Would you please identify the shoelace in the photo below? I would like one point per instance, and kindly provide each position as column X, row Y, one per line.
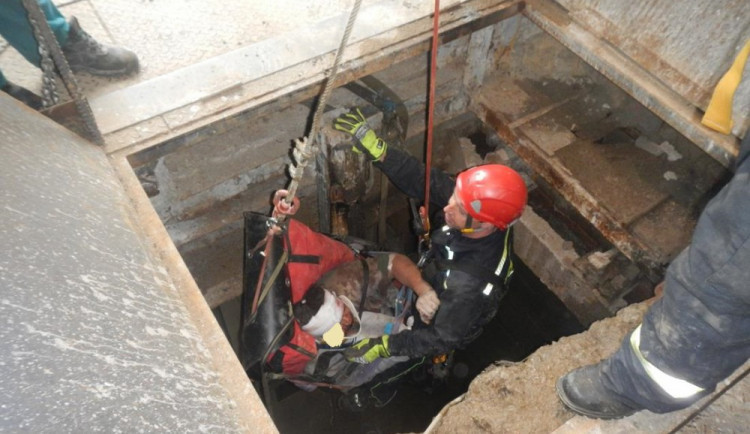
column 90, row 42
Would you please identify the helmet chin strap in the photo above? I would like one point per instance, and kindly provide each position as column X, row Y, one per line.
column 470, row 230
column 467, row 227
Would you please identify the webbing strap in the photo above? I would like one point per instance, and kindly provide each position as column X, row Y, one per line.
column 304, row 259
column 273, row 277
column 472, row 269
column 300, row 349
column 365, row 283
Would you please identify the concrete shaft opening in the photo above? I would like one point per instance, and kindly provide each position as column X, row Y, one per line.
column 615, row 190
column 596, row 102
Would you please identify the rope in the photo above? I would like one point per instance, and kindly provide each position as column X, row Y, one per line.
column 431, row 108
column 303, row 150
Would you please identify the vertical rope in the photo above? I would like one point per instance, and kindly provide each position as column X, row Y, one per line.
column 431, row 106
column 334, row 70
column 304, row 148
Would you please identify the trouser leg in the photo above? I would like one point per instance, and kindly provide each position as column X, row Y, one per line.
column 382, row 388
column 15, row 27
column 699, row 331
column 697, row 334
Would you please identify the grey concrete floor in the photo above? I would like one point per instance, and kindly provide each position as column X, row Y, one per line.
column 171, row 34
column 201, row 61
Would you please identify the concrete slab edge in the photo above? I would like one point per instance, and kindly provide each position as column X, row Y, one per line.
column 280, row 82
column 249, row 409
column 150, row 98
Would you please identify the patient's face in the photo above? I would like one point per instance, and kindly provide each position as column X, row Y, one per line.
column 346, row 320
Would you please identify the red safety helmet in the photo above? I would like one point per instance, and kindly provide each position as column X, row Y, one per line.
column 492, row 193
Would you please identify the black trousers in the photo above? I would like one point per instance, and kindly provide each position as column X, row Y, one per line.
column 699, row 331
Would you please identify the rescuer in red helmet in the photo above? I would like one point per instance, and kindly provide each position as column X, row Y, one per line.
column 470, row 257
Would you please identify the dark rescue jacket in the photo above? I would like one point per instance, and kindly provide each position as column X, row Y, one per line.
column 469, row 275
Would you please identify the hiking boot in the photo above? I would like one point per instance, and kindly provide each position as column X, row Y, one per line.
column 24, row 95
column 582, row 391
column 84, row 53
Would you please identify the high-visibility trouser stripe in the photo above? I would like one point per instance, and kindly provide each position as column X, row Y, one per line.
column 675, row 387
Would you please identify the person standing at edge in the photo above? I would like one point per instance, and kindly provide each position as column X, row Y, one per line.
column 82, row 52
column 696, row 334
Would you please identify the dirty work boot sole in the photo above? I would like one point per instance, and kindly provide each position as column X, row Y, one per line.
column 582, row 391
column 104, row 72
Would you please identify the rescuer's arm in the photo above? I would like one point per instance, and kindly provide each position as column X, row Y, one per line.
column 461, row 308
column 405, row 271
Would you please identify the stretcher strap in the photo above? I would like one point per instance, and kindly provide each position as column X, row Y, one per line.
column 274, row 275
column 365, row 283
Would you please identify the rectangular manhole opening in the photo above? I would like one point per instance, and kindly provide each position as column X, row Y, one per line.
column 607, row 176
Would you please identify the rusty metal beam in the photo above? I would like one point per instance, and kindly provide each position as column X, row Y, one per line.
column 632, row 78
column 559, row 178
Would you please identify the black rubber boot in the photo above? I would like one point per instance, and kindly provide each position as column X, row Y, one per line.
column 24, row 95
column 84, row 53
column 582, row 391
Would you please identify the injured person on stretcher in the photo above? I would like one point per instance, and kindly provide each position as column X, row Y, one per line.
column 359, row 295
column 363, row 298
column 366, row 297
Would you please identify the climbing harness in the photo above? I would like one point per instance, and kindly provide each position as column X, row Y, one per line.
column 52, row 56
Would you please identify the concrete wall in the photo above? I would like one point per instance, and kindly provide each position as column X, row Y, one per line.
column 96, row 335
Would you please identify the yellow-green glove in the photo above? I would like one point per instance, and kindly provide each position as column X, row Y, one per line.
column 367, row 350
column 355, row 124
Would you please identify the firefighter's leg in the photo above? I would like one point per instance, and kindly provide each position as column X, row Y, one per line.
column 381, row 390
column 695, row 335
column 82, row 52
